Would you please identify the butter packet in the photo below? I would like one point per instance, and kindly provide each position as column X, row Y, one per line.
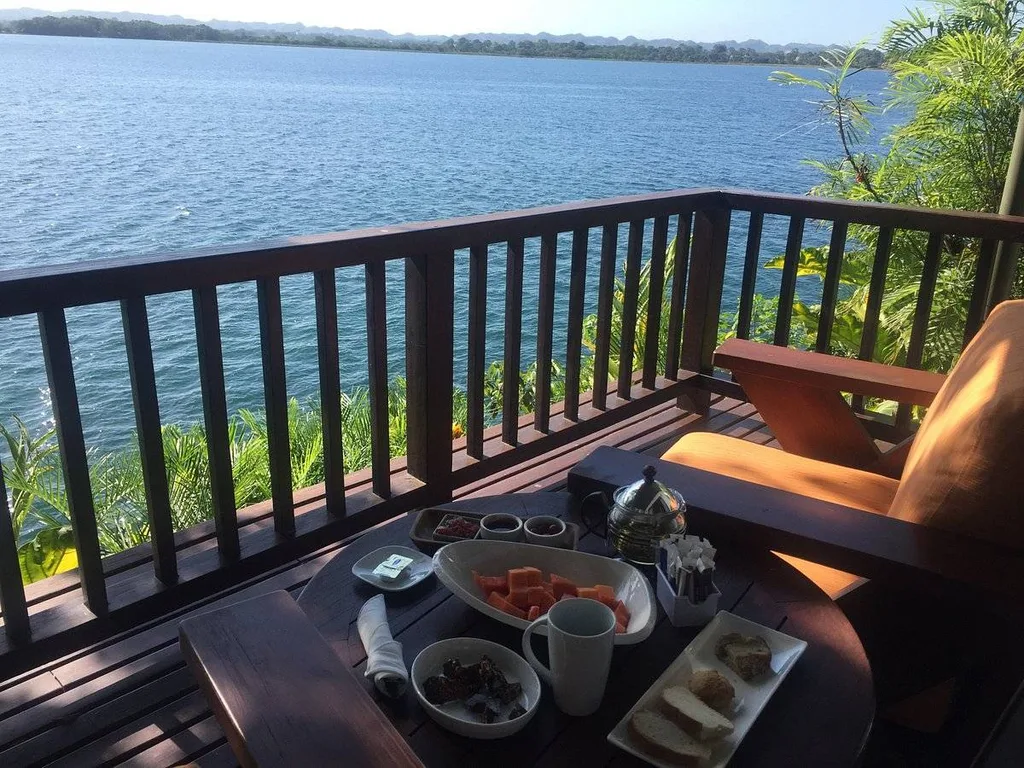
column 392, row 567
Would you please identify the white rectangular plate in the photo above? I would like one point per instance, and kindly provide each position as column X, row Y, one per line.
column 700, row 654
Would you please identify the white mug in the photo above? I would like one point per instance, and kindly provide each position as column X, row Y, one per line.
column 581, row 637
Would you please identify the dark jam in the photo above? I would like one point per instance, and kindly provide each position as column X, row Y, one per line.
column 545, row 529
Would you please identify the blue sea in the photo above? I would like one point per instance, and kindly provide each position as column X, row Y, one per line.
column 115, row 148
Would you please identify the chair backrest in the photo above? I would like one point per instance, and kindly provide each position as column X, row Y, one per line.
column 965, row 471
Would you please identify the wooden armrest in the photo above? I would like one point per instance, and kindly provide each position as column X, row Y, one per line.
column 281, row 694
column 729, row 510
column 813, row 369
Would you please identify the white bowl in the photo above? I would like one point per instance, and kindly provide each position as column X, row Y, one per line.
column 454, row 716
column 454, row 565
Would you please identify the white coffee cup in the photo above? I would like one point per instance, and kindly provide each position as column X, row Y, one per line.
column 581, row 637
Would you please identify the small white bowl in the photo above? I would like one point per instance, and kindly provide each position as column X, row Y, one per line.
column 546, row 539
column 512, row 534
column 454, row 716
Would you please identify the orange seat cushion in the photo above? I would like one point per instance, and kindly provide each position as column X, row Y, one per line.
column 964, row 472
column 773, row 468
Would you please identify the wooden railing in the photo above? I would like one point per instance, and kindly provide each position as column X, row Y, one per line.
column 305, row 521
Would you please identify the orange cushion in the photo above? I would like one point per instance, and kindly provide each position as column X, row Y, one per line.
column 964, row 472
column 773, row 468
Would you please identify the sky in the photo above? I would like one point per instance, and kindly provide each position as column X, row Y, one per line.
column 775, row 21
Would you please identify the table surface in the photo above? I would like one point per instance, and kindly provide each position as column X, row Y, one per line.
column 821, row 715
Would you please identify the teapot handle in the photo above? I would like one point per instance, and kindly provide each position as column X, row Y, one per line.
column 594, row 511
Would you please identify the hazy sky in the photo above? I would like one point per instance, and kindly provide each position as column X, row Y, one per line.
column 776, row 21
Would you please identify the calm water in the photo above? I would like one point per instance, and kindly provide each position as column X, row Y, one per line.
column 113, row 148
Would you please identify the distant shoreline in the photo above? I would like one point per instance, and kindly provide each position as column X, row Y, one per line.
column 93, row 27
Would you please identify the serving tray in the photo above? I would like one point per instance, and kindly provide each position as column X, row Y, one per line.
column 422, row 531
column 752, row 696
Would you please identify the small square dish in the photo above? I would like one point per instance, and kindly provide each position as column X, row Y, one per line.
column 411, row 575
column 750, row 696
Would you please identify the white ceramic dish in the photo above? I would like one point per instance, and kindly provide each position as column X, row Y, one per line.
column 454, row 565
column 418, row 569
column 700, row 654
column 454, row 716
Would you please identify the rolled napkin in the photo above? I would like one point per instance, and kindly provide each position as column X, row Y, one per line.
column 384, row 662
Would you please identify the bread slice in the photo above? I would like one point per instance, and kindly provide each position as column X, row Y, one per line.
column 693, row 715
column 665, row 740
column 748, row 657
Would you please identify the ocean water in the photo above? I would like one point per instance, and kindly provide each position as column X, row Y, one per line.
column 115, row 148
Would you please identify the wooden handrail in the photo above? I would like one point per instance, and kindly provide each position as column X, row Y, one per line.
column 963, row 223
column 32, row 289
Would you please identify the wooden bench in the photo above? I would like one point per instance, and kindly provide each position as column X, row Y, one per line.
column 281, row 694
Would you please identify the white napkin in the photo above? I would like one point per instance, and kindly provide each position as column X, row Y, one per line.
column 384, row 662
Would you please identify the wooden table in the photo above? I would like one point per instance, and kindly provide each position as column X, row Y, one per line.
column 820, row 716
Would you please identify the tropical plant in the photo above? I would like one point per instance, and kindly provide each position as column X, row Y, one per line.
column 958, row 75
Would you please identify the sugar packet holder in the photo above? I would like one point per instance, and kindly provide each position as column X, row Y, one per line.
column 676, row 593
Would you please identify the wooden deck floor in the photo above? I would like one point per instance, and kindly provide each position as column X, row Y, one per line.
column 130, row 700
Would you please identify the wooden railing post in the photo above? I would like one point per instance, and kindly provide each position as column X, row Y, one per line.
column 704, row 299
column 60, row 375
column 328, row 359
column 12, row 590
column 142, row 375
column 429, row 324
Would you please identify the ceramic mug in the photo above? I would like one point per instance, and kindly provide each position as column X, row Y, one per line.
column 581, row 637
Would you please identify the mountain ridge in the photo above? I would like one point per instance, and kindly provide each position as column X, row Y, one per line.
column 298, row 28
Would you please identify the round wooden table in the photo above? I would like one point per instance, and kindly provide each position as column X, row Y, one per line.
column 821, row 714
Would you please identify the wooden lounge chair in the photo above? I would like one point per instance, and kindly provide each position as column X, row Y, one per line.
column 963, row 471
column 281, row 694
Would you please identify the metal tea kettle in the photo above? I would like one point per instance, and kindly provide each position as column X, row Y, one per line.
column 641, row 515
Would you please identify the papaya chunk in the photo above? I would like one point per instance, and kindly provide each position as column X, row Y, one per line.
column 588, row 592
column 620, row 629
column 519, row 598
column 605, row 594
column 533, row 576
column 534, row 613
column 561, row 587
column 621, row 613
column 496, row 601
column 518, row 578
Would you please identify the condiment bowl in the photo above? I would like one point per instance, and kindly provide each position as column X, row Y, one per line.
column 501, row 526
column 534, row 525
column 454, row 716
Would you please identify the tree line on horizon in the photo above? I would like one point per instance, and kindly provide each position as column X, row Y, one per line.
column 90, row 26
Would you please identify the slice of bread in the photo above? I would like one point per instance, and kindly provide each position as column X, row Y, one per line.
column 665, row 740
column 693, row 715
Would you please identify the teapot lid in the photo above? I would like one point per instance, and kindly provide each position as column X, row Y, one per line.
column 649, row 496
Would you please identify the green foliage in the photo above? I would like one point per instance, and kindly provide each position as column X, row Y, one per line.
column 959, row 74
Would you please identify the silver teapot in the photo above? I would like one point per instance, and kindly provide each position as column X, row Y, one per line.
column 641, row 515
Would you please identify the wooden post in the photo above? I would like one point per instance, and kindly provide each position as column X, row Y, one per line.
column 12, row 591
column 60, row 375
column 429, row 323
column 215, row 418
column 275, row 397
column 1012, row 204
column 325, row 287
column 151, row 446
column 704, row 300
